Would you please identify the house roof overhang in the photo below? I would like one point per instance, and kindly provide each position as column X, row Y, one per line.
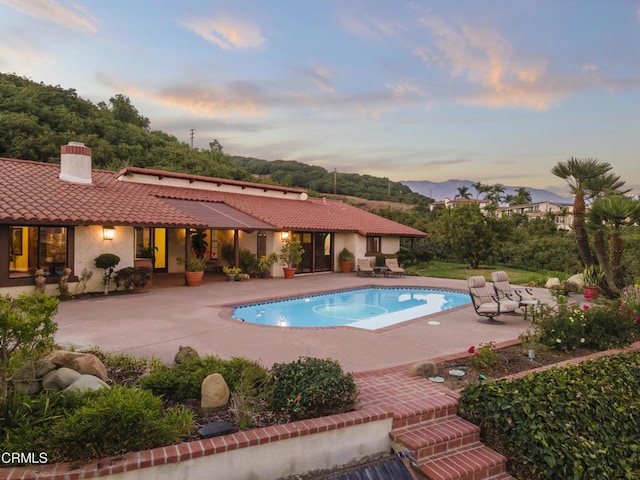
column 218, row 215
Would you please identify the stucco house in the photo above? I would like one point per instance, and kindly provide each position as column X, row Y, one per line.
column 55, row 216
column 562, row 213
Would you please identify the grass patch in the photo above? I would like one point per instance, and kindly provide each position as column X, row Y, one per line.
column 461, row 271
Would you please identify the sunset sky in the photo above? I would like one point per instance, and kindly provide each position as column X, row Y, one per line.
column 492, row 91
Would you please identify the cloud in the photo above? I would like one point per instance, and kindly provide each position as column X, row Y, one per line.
column 321, row 78
column 485, row 59
column 74, row 18
column 227, row 33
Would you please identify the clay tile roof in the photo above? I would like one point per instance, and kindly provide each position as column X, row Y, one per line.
column 32, row 192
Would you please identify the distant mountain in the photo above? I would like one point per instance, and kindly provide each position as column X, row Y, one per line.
column 449, row 189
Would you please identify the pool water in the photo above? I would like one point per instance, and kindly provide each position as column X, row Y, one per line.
column 367, row 308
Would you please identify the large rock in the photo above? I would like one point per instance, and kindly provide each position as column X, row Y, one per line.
column 215, row 392
column 552, row 282
column 85, row 363
column 59, row 379
column 84, row 383
column 28, row 387
column 576, row 280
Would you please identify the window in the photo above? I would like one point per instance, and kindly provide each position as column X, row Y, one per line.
column 261, row 244
column 374, row 245
column 31, row 248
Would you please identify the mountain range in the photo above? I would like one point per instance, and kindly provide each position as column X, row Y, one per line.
column 449, row 189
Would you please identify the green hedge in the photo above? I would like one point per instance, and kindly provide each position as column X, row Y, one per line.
column 576, row 422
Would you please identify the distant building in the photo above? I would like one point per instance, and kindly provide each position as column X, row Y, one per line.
column 561, row 212
column 448, row 203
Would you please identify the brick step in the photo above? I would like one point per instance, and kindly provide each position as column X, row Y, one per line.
column 432, row 438
column 473, row 462
column 425, row 410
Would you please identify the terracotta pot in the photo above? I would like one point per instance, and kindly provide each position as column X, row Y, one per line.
column 590, row 293
column 289, row 273
column 193, row 279
column 346, row 267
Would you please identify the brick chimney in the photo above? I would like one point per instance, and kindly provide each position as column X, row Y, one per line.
column 75, row 163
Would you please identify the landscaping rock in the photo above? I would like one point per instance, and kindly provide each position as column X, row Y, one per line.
column 215, row 391
column 85, row 363
column 576, row 280
column 59, row 379
column 28, row 387
column 84, row 383
column 215, row 429
column 552, row 282
column 185, row 353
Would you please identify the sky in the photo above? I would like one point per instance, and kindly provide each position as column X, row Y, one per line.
column 493, row 91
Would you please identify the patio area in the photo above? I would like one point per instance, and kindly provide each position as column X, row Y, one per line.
column 158, row 321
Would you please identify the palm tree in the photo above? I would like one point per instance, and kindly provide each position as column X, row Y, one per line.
column 578, row 172
column 522, row 196
column 463, row 192
column 613, row 215
column 480, row 188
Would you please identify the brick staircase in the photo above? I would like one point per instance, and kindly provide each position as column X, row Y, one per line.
column 443, row 445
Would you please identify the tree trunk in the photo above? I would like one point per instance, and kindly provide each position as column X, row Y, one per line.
column 600, row 248
column 616, row 247
column 582, row 239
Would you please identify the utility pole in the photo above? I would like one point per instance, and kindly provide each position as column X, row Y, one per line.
column 193, row 134
column 335, row 181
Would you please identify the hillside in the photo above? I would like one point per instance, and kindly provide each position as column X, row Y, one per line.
column 449, row 189
column 36, row 119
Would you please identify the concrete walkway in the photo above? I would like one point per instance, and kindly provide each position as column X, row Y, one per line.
column 158, row 321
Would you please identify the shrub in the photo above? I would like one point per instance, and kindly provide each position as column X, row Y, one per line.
column 424, row 369
column 311, row 387
column 132, row 277
column 599, row 326
column 184, row 380
column 483, row 358
column 573, row 422
column 116, row 421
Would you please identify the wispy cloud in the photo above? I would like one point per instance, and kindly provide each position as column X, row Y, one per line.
column 321, row 78
column 73, row 17
column 227, row 33
column 484, row 58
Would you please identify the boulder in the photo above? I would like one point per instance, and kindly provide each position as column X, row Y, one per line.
column 552, row 282
column 185, row 353
column 28, row 387
column 59, row 379
column 84, row 383
column 85, row 363
column 576, row 280
column 215, row 391
column 31, row 370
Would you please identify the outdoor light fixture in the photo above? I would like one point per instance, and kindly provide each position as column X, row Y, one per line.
column 284, row 235
column 108, row 233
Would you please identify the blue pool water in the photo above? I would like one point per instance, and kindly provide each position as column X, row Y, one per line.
column 368, row 308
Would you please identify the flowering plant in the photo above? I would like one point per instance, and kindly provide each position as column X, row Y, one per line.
column 484, row 357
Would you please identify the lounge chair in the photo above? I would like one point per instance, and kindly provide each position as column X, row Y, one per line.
column 486, row 302
column 393, row 267
column 504, row 289
column 364, row 268
column 523, row 296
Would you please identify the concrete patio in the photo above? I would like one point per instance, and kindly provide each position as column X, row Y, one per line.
column 158, row 321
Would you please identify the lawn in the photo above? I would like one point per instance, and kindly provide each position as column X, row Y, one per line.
column 461, row 271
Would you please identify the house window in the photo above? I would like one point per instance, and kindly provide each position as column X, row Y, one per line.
column 374, row 245
column 31, row 248
column 261, row 244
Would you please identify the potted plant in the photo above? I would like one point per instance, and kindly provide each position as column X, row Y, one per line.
column 290, row 256
column 231, row 273
column 145, row 258
column 346, row 259
column 108, row 261
column 193, row 270
column 592, row 277
column 198, row 243
column 265, row 262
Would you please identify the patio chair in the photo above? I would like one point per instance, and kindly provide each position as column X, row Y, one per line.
column 504, row 289
column 393, row 267
column 364, row 268
column 486, row 303
column 523, row 296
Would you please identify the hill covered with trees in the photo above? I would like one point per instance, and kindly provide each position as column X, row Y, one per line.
column 36, row 119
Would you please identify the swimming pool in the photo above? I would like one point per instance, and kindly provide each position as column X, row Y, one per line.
column 368, row 308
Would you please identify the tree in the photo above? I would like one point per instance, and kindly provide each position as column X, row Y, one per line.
column 521, row 197
column 613, row 214
column 463, row 192
column 578, row 173
column 26, row 328
column 124, row 111
column 466, row 233
column 480, row 188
